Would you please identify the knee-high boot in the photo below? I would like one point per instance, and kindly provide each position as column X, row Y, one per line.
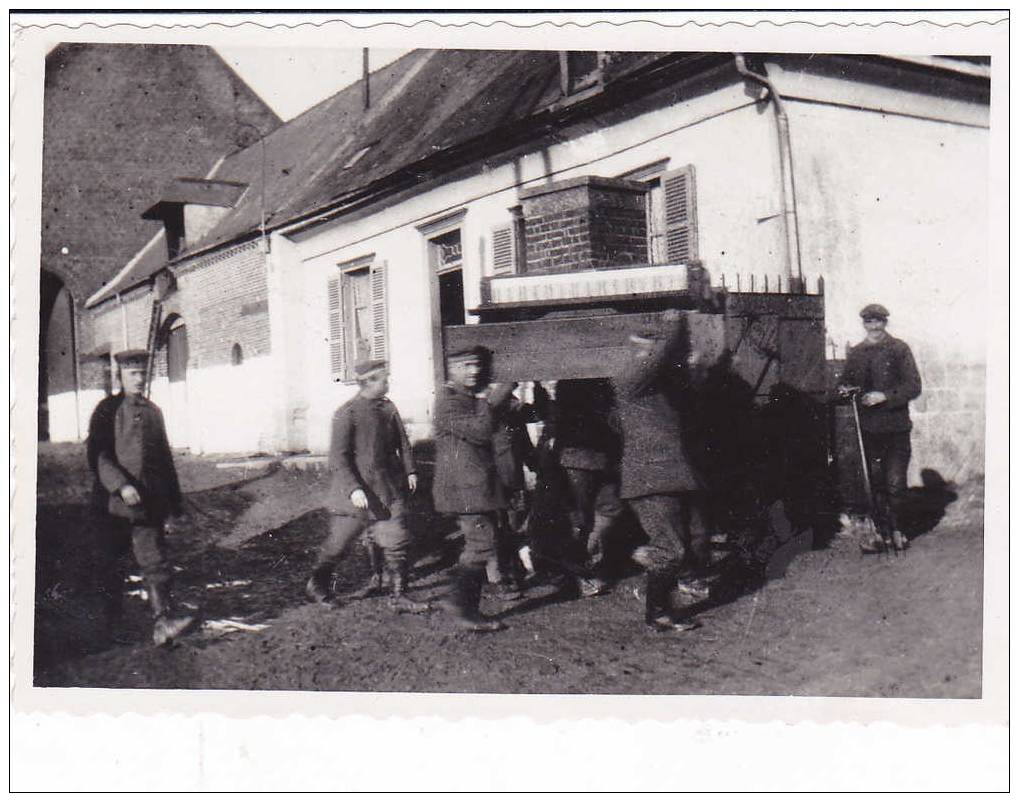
column 319, row 586
column 465, row 600
column 658, row 610
column 399, row 602
column 168, row 626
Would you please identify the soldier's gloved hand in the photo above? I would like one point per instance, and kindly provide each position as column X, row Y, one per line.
column 595, row 547
column 872, row 398
column 412, row 482
column 130, row 495
column 359, row 499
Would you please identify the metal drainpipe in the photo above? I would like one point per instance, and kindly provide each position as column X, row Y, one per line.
column 123, row 322
column 794, row 266
column 123, row 338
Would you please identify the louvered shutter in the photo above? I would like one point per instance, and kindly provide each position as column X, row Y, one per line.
column 504, row 249
column 380, row 325
column 337, row 338
column 680, row 191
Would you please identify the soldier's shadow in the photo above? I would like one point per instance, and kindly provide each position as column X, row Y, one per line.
column 924, row 507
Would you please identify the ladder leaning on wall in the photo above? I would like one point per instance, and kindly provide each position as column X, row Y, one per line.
column 150, row 344
column 162, row 284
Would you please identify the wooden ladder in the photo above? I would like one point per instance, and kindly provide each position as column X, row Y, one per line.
column 153, row 338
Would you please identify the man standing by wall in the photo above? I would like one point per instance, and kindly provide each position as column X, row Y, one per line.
column 372, row 478
column 657, row 478
column 135, row 493
column 466, row 480
column 883, row 369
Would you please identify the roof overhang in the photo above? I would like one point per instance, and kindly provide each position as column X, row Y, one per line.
column 188, row 190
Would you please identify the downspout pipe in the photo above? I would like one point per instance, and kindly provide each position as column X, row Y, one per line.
column 123, row 336
column 790, row 219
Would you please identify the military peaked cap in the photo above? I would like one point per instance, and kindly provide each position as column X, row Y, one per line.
column 365, row 368
column 476, row 351
column 874, row 311
column 132, row 358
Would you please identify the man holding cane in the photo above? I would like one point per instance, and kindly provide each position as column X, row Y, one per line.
column 883, row 370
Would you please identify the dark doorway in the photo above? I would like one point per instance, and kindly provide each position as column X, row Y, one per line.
column 177, row 353
column 451, row 298
column 446, row 258
column 57, row 368
column 175, row 410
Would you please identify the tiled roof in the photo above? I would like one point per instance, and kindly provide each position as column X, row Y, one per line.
column 120, row 120
column 422, row 104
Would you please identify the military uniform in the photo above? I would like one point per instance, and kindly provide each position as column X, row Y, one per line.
column 127, row 446
column 886, row 366
column 587, row 438
column 512, row 450
column 369, row 451
column 658, row 479
column 467, row 485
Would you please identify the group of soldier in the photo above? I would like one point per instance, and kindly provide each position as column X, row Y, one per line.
column 617, row 444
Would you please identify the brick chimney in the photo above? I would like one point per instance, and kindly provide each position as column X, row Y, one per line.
column 584, row 223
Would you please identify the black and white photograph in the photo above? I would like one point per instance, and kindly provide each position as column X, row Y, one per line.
column 510, row 370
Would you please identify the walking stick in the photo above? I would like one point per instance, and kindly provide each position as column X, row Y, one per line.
column 868, row 489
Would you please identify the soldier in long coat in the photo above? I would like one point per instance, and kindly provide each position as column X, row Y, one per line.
column 657, row 477
column 135, row 492
column 883, row 369
column 467, row 483
column 372, row 478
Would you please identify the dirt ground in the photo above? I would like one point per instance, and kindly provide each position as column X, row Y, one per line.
column 835, row 624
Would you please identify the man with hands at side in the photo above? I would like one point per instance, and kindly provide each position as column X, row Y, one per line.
column 372, row 478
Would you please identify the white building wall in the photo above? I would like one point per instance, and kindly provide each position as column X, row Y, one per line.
column 732, row 145
column 894, row 210
column 220, row 407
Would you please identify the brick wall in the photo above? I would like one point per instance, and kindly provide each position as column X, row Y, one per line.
column 584, row 223
column 948, row 425
column 949, row 416
column 223, row 300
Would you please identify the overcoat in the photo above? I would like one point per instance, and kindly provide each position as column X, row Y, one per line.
column 127, row 444
column 887, row 366
column 466, row 480
column 511, row 444
column 586, row 427
column 654, row 457
column 369, row 450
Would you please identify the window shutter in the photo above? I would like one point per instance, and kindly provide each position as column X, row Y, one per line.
column 380, row 325
column 504, row 249
column 337, row 340
column 680, row 215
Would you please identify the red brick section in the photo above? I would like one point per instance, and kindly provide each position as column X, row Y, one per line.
column 221, row 297
column 584, row 223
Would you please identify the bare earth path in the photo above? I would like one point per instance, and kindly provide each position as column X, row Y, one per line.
column 837, row 623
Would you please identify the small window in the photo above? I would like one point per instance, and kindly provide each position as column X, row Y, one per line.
column 446, row 255
column 236, row 355
column 359, row 310
column 447, row 251
column 358, row 325
column 356, row 156
column 579, row 71
column 671, row 211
